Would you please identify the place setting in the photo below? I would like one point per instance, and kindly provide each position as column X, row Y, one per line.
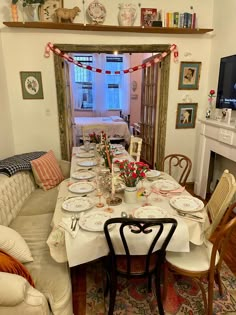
column 94, row 221
column 166, row 187
column 188, row 207
column 83, row 174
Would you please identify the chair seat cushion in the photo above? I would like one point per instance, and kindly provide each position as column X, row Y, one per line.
column 198, row 259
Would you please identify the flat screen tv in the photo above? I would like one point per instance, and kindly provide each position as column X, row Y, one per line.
column 226, row 92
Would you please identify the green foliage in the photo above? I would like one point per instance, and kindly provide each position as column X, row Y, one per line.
column 27, row 2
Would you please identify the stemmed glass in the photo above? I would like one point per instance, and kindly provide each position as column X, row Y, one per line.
column 146, row 193
column 100, row 204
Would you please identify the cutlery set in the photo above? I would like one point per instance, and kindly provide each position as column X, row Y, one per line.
column 74, row 221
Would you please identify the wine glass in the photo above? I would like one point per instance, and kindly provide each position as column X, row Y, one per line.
column 146, row 193
column 100, row 204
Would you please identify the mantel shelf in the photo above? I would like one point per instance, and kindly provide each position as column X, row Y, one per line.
column 107, row 28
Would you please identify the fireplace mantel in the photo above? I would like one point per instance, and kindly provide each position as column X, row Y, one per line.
column 214, row 136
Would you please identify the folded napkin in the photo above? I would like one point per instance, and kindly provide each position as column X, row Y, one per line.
column 169, row 192
column 66, row 225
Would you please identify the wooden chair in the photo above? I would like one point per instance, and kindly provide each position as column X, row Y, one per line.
column 220, row 200
column 177, row 165
column 141, row 266
column 135, row 147
column 202, row 261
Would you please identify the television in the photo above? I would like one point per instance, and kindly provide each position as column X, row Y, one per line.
column 226, row 92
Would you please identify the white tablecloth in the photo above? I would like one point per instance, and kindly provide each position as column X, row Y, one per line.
column 115, row 128
column 88, row 246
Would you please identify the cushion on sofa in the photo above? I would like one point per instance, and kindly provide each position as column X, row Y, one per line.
column 11, row 265
column 14, row 244
column 46, row 170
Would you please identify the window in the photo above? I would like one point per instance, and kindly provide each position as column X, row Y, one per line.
column 113, row 82
column 84, row 80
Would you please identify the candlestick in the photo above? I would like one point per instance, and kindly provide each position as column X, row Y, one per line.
column 112, row 181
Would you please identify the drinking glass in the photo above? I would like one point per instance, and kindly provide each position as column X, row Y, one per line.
column 146, row 193
column 100, row 204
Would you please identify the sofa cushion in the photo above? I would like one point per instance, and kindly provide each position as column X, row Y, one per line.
column 46, row 170
column 40, row 202
column 50, row 277
column 11, row 265
column 14, row 244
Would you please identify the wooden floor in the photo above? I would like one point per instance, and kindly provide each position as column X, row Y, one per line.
column 78, row 272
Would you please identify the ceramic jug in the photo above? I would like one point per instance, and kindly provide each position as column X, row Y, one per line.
column 127, row 14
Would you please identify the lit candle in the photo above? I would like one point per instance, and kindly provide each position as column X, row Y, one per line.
column 112, row 181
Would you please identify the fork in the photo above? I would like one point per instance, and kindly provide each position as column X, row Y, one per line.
column 193, row 216
column 76, row 221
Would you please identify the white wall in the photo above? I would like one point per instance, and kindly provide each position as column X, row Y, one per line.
column 35, row 122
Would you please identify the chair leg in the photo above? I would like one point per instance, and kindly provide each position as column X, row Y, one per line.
column 203, row 293
column 158, row 293
column 112, row 297
column 218, row 281
column 210, row 295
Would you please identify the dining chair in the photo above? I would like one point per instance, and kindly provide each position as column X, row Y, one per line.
column 124, row 263
column 135, row 147
column 178, row 166
column 219, row 201
column 202, row 261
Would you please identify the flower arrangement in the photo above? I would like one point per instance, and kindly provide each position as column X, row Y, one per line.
column 104, row 148
column 211, row 95
column 132, row 172
column 96, row 138
column 27, row 2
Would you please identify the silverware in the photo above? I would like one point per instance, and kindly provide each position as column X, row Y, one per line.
column 76, row 220
column 193, row 216
column 124, row 214
column 72, row 222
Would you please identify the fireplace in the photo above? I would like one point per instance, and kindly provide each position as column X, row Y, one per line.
column 217, row 140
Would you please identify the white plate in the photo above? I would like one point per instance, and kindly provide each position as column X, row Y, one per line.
column 87, row 163
column 149, row 212
column 82, row 147
column 165, row 185
column 77, row 204
column 85, row 154
column 94, row 221
column 81, row 188
column 186, row 203
column 119, row 152
column 96, row 12
column 153, row 173
column 83, row 174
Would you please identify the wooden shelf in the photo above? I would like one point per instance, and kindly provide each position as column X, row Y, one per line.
column 107, row 28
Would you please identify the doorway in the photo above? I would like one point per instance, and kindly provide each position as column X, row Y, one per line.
column 160, row 131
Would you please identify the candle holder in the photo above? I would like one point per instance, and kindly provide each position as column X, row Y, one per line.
column 114, row 200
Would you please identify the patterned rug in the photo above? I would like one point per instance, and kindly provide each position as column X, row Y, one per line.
column 183, row 296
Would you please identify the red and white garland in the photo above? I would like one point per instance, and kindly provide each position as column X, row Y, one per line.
column 50, row 47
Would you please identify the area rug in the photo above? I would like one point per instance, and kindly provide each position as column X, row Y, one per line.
column 183, row 296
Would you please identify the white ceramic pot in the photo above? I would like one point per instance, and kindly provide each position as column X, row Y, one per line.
column 130, row 194
column 127, row 14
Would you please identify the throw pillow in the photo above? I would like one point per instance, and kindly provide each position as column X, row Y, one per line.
column 11, row 265
column 14, row 244
column 47, row 172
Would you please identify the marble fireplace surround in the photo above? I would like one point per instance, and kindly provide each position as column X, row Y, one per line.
column 217, row 137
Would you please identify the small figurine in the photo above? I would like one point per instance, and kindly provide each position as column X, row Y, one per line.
column 67, row 14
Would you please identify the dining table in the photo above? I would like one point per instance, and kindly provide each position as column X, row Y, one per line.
column 77, row 226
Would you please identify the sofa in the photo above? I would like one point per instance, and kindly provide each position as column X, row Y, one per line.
column 27, row 210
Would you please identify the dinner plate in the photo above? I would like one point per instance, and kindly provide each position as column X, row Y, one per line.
column 82, row 147
column 118, row 152
column 186, row 203
column 83, row 174
column 77, row 204
column 153, row 173
column 94, row 221
column 165, row 185
column 149, row 212
column 85, row 154
column 81, row 188
column 87, row 163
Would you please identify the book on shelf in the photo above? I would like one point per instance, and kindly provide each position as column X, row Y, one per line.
column 148, row 15
column 180, row 20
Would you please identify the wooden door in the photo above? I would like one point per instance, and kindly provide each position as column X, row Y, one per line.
column 148, row 121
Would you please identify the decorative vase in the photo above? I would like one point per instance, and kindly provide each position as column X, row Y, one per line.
column 210, row 112
column 130, row 194
column 127, row 14
column 32, row 12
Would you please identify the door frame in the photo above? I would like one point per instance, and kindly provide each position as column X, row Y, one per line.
column 163, row 92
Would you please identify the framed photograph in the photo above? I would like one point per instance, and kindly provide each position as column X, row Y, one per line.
column 31, row 84
column 148, row 15
column 47, row 10
column 189, row 75
column 186, row 115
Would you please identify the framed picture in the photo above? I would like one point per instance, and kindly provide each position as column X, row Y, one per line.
column 148, row 15
column 189, row 75
column 31, row 84
column 47, row 10
column 186, row 115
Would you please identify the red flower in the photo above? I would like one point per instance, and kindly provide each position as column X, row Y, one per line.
column 212, row 92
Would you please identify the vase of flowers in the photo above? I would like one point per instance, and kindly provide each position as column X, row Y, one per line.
column 104, row 149
column 210, row 109
column 131, row 173
column 30, row 8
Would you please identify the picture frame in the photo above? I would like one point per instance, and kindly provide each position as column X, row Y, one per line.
column 31, row 85
column 148, row 16
column 47, row 10
column 186, row 115
column 189, row 75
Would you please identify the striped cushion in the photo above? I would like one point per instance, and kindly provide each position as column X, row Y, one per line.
column 46, row 170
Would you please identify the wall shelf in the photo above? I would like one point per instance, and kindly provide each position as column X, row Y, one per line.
column 107, row 28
